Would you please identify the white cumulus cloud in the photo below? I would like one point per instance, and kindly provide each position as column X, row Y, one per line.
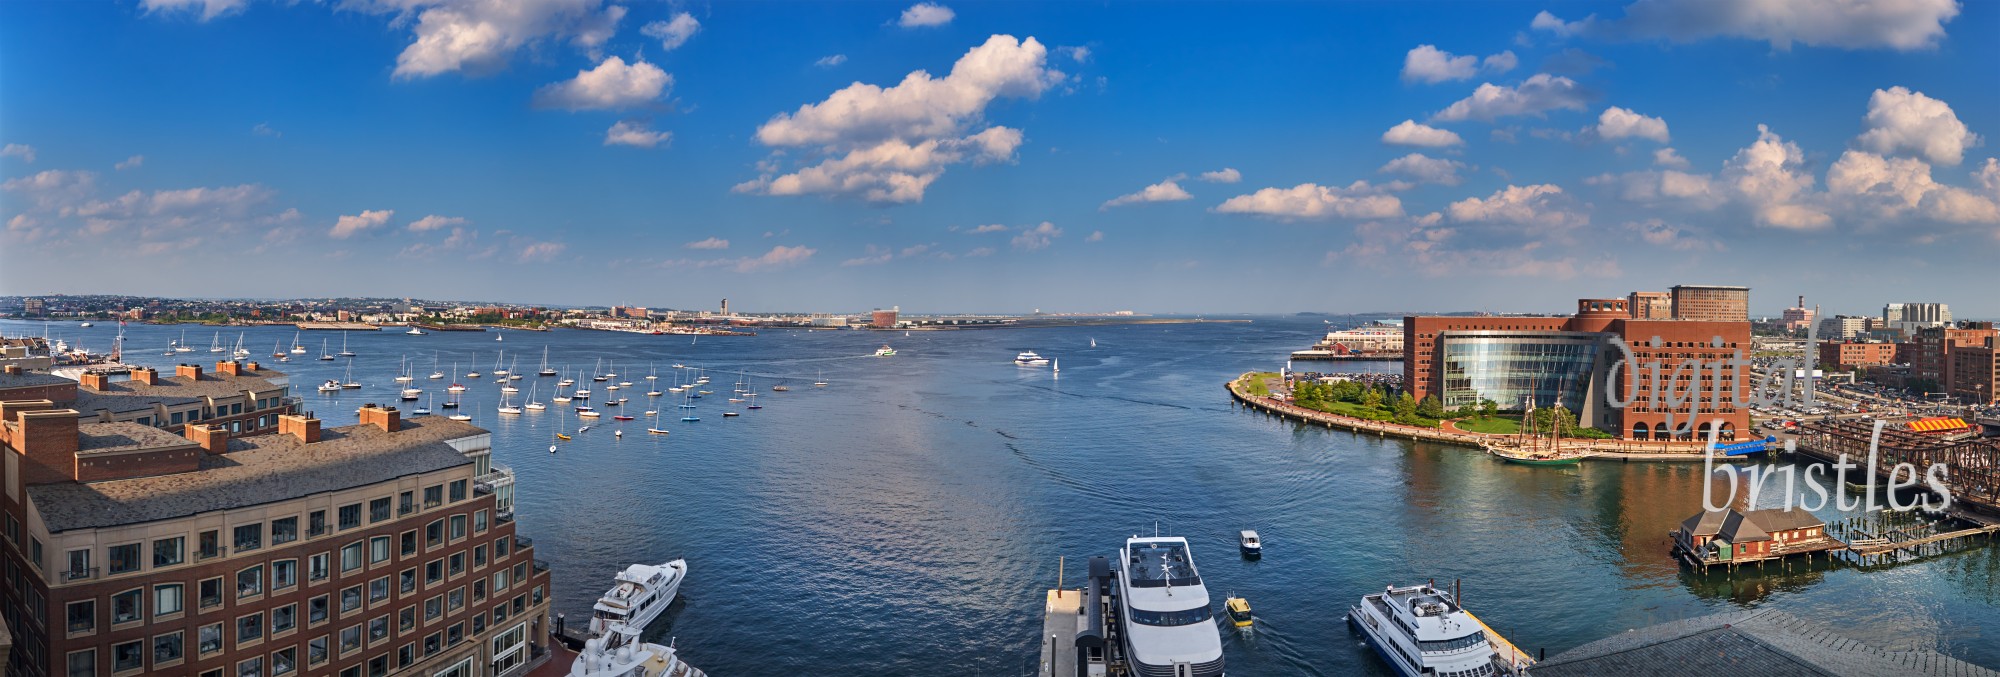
column 1853, row 24
column 1428, row 64
column 204, row 10
column 1425, row 169
column 434, row 222
column 458, row 35
column 1769, row 176
column 780, row 256
column 1038, row 237
column 634, row 133
column 133, row 162
column 1164, row 191
column 1358, row 200
column 1538, row 94
column 1900, row 120
column 1620, row 123
column 1413, row 133
column 612, row 84
column 1541, row 205
column 673, row 33
column 925, row 14
column 1224, row 175
column 888, row 144
column 830, row 60
column 709, row 243
column 1668, row 157
column 350, row 225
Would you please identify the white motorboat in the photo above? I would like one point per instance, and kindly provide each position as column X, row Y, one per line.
column 330, row 386
column 642, row 591
column 621, row 654
column 1164, row 611
column 885, row 351
column 1420, row 630
column 414, row 331
column 1030, row 359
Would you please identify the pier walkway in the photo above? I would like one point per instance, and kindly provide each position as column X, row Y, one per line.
column 1515, row 659
column 1061, row 619
column 1614, row 450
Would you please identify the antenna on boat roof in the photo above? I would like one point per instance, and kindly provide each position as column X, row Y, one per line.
column 1156, row 528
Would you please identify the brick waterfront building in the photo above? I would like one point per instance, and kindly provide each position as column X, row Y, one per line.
column 1544, row 361
column 1931, row 348
column 1852, row 355
column 382, row 548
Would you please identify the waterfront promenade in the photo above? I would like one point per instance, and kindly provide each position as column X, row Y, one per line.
column 1619, row 450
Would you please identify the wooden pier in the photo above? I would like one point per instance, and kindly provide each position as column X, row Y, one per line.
column 1512, row 659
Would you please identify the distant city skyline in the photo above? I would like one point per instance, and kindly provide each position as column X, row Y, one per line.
column 1183, row 158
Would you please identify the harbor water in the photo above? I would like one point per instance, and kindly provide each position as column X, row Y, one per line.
column 907, row 518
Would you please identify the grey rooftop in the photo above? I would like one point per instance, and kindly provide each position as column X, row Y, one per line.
column 1763, row 642
column 257, row 470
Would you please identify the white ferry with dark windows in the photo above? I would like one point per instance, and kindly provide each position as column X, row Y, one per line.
column 1168, row 627
column 1421, row 632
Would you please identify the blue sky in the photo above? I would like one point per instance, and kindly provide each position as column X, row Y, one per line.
column 1177, row 157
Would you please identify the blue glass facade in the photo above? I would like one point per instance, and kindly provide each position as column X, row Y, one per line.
column 1511, row 367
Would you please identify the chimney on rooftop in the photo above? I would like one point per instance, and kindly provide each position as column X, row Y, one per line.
column 386, row 418
column 230, row 368
column 146, row 375
column 190, row 372
column 251, row 367
column 13, row 370
column 301, row 426
column 93, row 380
column 46, row 438
column 213, row 438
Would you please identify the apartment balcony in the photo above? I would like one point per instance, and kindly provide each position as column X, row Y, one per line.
column 498, row 478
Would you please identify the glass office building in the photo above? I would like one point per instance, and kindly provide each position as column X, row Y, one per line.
column 1514, row 368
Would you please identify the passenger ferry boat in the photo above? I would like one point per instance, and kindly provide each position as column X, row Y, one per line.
column 642, row 592
column 1421, row 631
column 1164, row 612
column 1030, row 359
column 621, row 654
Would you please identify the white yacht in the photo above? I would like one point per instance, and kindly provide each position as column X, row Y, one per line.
column 1164, row 611
column 621, row 654
column 642, row 592
column 1420, row 630
column 1030, row 359
column 414, row 331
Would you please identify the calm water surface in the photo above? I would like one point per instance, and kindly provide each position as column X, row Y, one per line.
column 909, row 516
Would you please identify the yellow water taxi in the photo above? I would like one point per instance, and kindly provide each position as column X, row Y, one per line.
column 1238, row 610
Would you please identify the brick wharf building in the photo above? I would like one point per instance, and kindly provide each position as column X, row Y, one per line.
column 1711, row 302
column 1852, row 355
column 242, row 397
column 1566, row 360
column 1931, row 350
column 1975, row 372
column 387, row 547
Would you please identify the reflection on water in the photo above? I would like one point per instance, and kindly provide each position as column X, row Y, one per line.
column 910, row 515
